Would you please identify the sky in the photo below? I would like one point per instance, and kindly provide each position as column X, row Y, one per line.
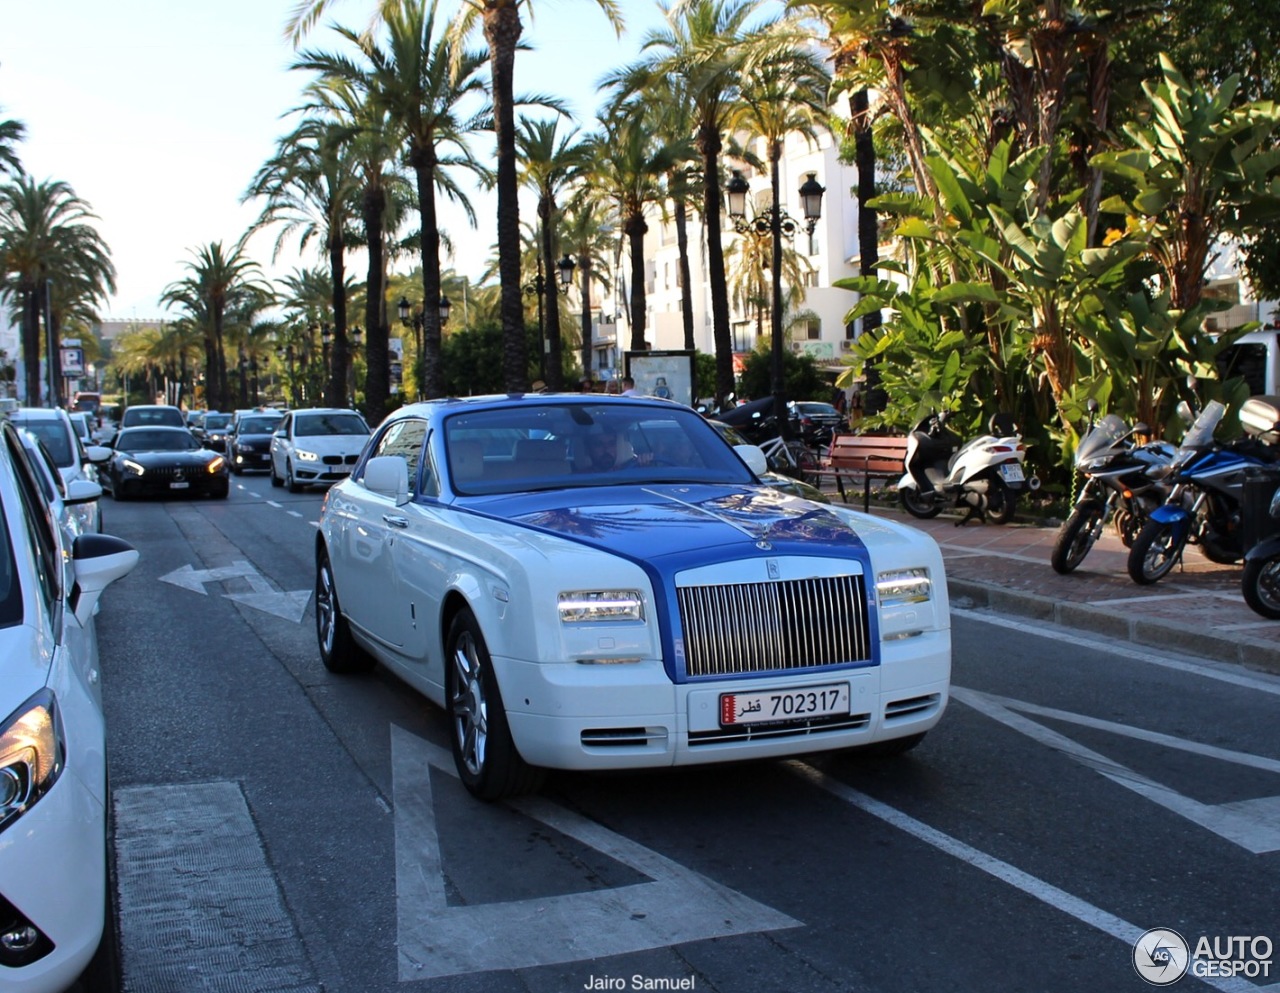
column 159, row 112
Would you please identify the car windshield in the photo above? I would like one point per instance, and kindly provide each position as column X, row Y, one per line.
column 215, row 422
column 315, row 425
column 134, row 440
column 257, row 425
column 54, row 434
column 555, row 446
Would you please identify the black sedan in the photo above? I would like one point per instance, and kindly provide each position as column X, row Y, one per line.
column 249, row 443
column 162, row 461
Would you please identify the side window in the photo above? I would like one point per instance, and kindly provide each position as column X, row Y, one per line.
column 404, row 439
column 41, row 527
column 283, row 428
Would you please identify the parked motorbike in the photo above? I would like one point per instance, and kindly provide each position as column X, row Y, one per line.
column 1261, row 580
column 983, row 476
column 1203, row 506
column 1118, row 488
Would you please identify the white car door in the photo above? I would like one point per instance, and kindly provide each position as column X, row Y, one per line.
column 371, row 536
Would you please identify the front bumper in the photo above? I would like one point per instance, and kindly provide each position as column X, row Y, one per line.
column 629, row 716
column 53, row 870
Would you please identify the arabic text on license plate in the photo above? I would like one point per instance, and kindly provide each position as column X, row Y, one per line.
column 179, row 485
column 1012, row 472
column 772, row 706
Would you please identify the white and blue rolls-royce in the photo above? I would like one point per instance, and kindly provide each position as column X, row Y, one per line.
column 588, row 582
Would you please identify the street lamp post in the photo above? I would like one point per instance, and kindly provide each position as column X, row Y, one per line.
column 351, row 363
column 418, row 323
column 774, row 225
column 564, row 270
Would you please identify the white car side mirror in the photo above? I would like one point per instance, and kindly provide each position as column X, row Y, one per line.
column 389, row 476
column 82, row 491
column 99, row 560
column 754, row 457
column 97, row 454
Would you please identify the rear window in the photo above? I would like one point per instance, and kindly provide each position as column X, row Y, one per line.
column 167, row 416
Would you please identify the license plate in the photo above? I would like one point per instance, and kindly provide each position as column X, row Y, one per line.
column 179, row 486
column 1012, row 472
column 772, row 706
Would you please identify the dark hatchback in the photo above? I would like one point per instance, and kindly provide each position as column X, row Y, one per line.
column 249, row 444
column 163, row 461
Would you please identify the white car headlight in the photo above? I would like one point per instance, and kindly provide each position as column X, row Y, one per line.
column 133, row 467
column 579, row 606
column 305, row 456
column 903, row 586
column 32, row 755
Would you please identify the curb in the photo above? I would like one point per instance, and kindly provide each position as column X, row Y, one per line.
column 1237, row 648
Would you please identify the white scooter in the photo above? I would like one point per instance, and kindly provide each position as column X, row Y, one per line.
column 983, row 476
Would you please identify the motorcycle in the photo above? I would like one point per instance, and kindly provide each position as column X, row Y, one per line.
column 983, row 476
column 1261, row 580
column 1203, row 506
column 1118, row 488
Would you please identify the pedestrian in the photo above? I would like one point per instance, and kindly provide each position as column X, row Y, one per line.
column 629, row 387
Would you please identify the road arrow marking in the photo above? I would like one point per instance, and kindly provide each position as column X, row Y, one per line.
column 437, row 940
column 1252, row 824
column 290, row 605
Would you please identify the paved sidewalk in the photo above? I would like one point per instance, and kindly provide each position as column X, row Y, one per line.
column 1197, row 609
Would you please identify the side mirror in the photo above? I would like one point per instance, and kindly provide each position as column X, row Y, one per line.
column 754, row 458
column 1184, row 412
column 1142, row 427
column 82, row 491
column 1091, row 405
column 388, row 475
column 99, row 560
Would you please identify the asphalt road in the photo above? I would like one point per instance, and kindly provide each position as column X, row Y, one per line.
column 279, row 828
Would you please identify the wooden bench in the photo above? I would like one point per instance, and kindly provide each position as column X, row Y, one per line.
column 864, row 457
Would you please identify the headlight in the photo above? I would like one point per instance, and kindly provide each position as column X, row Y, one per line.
column 903, row 586
column 305, row 456
column 133, row 467
column 1275, row 503
column 31, row 755
column 579, row 606
column 216, row 465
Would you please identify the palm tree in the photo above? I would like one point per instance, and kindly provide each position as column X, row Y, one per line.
column 587, row 232
column 311, row 189
column 46, row 238
column 630, row 163
column 11, row 132
column 500, row 23
column 219, row 283
column 421, row 84
column 550, row 163
column 702, row 47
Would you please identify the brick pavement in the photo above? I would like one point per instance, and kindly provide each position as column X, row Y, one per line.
column 1197, row 609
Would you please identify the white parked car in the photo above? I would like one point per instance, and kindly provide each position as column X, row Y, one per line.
column 317, row 445
column 54, row 895
column 74, row 459
column 587, row 582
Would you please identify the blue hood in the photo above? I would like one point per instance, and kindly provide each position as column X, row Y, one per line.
column 645, row 522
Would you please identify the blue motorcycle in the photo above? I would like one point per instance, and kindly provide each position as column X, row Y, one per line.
column 1203, row 507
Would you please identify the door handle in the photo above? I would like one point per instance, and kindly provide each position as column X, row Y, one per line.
column 395, row 520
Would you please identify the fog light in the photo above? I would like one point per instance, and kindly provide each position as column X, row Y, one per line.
column 19, row 940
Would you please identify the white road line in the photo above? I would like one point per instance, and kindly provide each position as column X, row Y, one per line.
column 294, row 513
column 1225, row 672
column 1033, row 886
column 274, row 503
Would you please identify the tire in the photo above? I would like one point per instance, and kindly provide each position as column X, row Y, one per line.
column 806, row 463
column 486, row 757
column 338, row 650
column 1076, row 537
column 1154, row 553
column 1002, row 502
column 1218, row 549
column 1261, row 587
column 917, row 504
column 293, row 484
column 275, row 480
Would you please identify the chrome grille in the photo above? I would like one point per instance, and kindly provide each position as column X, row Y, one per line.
column 767, row 627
